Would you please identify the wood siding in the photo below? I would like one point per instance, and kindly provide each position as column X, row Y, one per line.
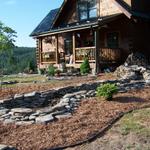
column 107, row 7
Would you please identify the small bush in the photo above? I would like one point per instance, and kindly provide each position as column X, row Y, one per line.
column 51, row 70
column 58, row 72
column 107, row 91
column 85, row 67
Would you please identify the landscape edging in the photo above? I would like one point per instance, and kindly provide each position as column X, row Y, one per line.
column 102, row 131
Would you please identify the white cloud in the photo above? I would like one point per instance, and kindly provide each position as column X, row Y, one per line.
column 10, row 2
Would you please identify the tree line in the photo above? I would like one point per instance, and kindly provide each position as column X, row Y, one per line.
column 18, row 60
column 14, row 59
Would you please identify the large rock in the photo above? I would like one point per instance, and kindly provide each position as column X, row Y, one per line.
column 135, row 67
column 125, row 72
column 44, row 119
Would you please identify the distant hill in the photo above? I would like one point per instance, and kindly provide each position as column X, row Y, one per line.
column 20, row 59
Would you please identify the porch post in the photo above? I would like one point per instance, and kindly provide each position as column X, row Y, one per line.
column 57, row 49
column 40, row 51
column 74, row 47
column 97, row 50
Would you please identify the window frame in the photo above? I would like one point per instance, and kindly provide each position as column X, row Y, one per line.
column 87, row 10
column 118, row 39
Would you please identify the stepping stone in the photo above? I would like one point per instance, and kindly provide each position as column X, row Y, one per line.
column 22, row 111
column 74, row 94
column 65, row 115
column 5, row 147
column 32, row 94
column 24, row 123
column 44, row 119
column 18, row 96
column 8, row 121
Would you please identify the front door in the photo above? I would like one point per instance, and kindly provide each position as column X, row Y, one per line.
column 68, row 50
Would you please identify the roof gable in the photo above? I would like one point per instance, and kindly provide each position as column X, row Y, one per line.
column 46, row 24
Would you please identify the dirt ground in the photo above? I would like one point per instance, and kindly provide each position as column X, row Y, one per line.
column 132, row 132
column 91, row 117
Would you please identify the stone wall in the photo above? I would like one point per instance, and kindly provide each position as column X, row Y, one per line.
column 48, row 106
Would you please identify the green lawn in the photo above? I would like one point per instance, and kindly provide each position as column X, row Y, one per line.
column 137, row 122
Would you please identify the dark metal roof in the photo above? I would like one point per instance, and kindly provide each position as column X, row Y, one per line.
column 80, row 25
column 46, row 23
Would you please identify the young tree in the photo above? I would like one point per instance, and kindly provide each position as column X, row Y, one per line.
column 7, row 39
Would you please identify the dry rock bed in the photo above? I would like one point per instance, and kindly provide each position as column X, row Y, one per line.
column 71, row 115
column 48, row 106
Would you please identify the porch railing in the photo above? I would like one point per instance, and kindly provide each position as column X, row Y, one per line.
column 106, row 54
column 48, row 57
column 110, row 54
column 81, row 53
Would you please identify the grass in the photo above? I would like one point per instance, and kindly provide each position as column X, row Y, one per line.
column 24, row 79
column 136, row 122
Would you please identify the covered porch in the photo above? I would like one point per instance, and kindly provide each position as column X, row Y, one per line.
column 106, row 45
column 71, row 49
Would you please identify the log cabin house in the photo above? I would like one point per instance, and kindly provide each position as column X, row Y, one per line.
column 105, row 31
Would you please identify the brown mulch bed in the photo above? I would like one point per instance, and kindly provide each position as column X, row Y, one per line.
column 92, row 115
column 30, row 87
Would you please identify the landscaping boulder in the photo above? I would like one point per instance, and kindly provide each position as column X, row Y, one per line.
column 125, row 72
column 136, row 67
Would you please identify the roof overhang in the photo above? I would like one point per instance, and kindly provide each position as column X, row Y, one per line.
column 100, row 22
column 128, row 12
column 68, row 29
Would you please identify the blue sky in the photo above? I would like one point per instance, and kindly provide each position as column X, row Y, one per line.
column 24, row 15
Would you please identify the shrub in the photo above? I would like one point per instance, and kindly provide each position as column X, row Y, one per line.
column 107, row 91
column 51, row 70
column 85, row 67
column 58, row 72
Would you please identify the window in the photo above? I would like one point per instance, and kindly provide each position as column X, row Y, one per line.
column 87, row 9
column 113, row 40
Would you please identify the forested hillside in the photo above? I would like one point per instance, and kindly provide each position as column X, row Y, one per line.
column 20, row 59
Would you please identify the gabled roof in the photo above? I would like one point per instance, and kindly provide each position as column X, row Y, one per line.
column 129, row 12
column 46, row 23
